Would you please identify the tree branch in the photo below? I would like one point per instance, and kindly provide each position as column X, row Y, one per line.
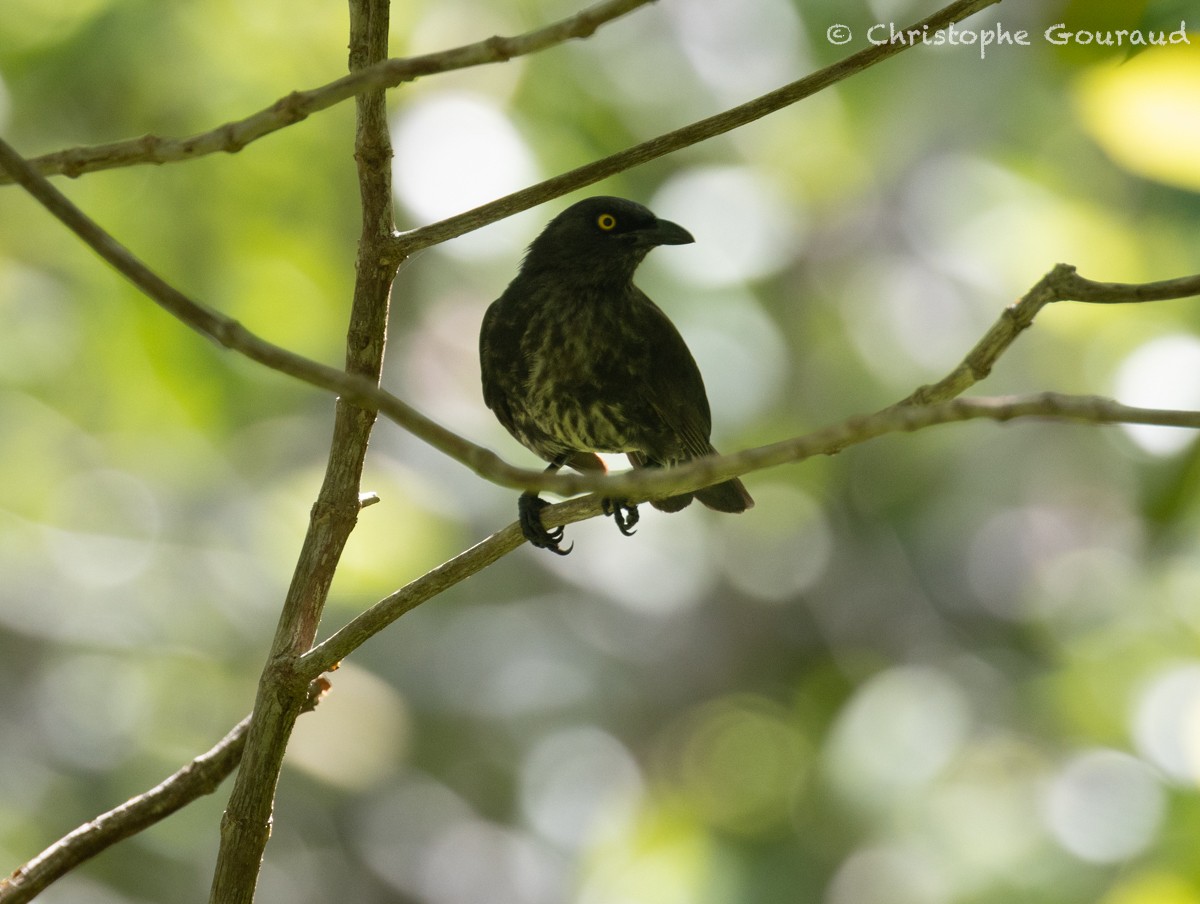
column 199, row 777
column 829, row 441
column 1060, row 284
column 299, row 105
column 667, row 143
column 365, row 393
column 230, row 334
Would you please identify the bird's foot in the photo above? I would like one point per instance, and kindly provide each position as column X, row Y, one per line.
column 624, row 514
column 529, row 513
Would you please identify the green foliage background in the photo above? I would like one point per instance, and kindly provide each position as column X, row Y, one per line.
column 956, row 666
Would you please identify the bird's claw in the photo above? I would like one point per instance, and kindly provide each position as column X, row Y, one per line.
column 624, row 514
column 529, row 511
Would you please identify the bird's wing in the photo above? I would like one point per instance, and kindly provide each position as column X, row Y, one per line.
column 486, row 356
column 674, row 386
column 497, row 333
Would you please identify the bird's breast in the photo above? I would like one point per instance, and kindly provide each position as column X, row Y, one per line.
column 583, row 377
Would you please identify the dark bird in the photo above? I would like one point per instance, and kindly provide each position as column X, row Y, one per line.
column 577, row 360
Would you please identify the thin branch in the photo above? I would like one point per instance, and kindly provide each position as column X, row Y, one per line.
column 232, row 335
column 1060, row 284
column 1070, row 286
column 678, row 139
column 907, row 418
column 829, row 441
column 199, row 777
column 364, row 393
column 367, row 624
column 299, row 105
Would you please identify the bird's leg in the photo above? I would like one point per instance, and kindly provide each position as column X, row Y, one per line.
column 623, row 513
column 529, row 513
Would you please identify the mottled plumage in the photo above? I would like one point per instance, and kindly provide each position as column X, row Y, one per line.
column 577, row 360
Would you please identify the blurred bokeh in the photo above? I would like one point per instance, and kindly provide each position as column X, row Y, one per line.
column 956, row 666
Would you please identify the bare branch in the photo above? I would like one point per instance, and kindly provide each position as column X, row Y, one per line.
column 199, row 777
column 680, row 138
column 1070, row 286
column 230, row 334
column 829, row 441
column 299, row 105
column 1060, row 284
column 902, row 417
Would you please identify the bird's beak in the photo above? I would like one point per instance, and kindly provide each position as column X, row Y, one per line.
column 664, row 232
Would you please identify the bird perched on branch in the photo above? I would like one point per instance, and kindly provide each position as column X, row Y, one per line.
column 577, row 360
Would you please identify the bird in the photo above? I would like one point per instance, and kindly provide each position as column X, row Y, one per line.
column 575, row 359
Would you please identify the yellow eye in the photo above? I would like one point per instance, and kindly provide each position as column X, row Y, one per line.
column 607, row 222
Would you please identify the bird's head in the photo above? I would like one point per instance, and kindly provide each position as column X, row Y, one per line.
column 604, row 236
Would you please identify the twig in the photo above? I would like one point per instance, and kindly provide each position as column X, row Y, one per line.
column 230, row 334
column 829, row 441
column 703, row 129
column 199, row 777
column 1060, row 284
column 299, row 105
column 367, row 394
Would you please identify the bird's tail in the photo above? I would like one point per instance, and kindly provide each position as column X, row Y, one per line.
column 730, row 496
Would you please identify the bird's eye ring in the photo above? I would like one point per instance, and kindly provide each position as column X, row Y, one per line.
column 607, row 222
